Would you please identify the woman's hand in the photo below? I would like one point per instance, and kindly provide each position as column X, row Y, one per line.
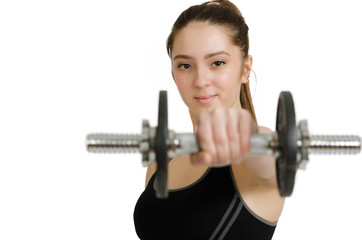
column 224, row 137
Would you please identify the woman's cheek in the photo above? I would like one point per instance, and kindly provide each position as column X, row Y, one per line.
column 184, row 90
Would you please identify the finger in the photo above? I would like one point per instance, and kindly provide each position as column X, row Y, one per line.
column 245, row 129
column 220, row 135
column 205, row 134
column 234, row 136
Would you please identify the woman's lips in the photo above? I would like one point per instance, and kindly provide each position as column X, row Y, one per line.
column 206, row 98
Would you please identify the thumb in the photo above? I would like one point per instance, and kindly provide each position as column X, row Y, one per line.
column 201, row 158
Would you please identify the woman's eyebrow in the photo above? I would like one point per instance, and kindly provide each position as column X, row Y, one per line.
column 206, row 56
column 216, row 53
column 181, row 56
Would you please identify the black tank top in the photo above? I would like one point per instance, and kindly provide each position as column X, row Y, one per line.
column 211, row 208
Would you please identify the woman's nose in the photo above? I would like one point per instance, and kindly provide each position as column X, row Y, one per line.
column 202, row 78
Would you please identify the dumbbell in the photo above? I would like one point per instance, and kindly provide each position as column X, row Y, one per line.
column 290, row 144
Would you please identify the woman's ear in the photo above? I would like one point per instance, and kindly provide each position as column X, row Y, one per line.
column 248, row 62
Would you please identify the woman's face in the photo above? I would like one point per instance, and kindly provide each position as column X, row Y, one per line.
column 207, row 67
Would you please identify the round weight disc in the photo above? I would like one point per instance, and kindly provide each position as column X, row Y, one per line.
column 286, row 163
column 161, row 147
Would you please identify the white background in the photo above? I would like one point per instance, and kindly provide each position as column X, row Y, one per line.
column 71, row 67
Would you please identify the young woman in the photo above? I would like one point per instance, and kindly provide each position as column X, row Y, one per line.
column 220, row 192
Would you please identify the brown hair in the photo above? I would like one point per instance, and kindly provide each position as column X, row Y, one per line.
column 220, row 12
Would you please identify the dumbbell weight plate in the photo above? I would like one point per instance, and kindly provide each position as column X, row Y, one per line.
column 161, row 147
column 286, row 163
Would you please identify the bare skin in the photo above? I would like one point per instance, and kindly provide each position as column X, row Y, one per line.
column 208, row 70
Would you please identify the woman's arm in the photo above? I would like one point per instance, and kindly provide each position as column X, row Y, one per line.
column 262, row 166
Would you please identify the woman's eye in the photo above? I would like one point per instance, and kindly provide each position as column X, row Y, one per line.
column 184, row 66
column 218, row 63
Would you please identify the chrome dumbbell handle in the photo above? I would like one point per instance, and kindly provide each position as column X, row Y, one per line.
column 186, row 143
column 113, row 143
column 334, row 144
